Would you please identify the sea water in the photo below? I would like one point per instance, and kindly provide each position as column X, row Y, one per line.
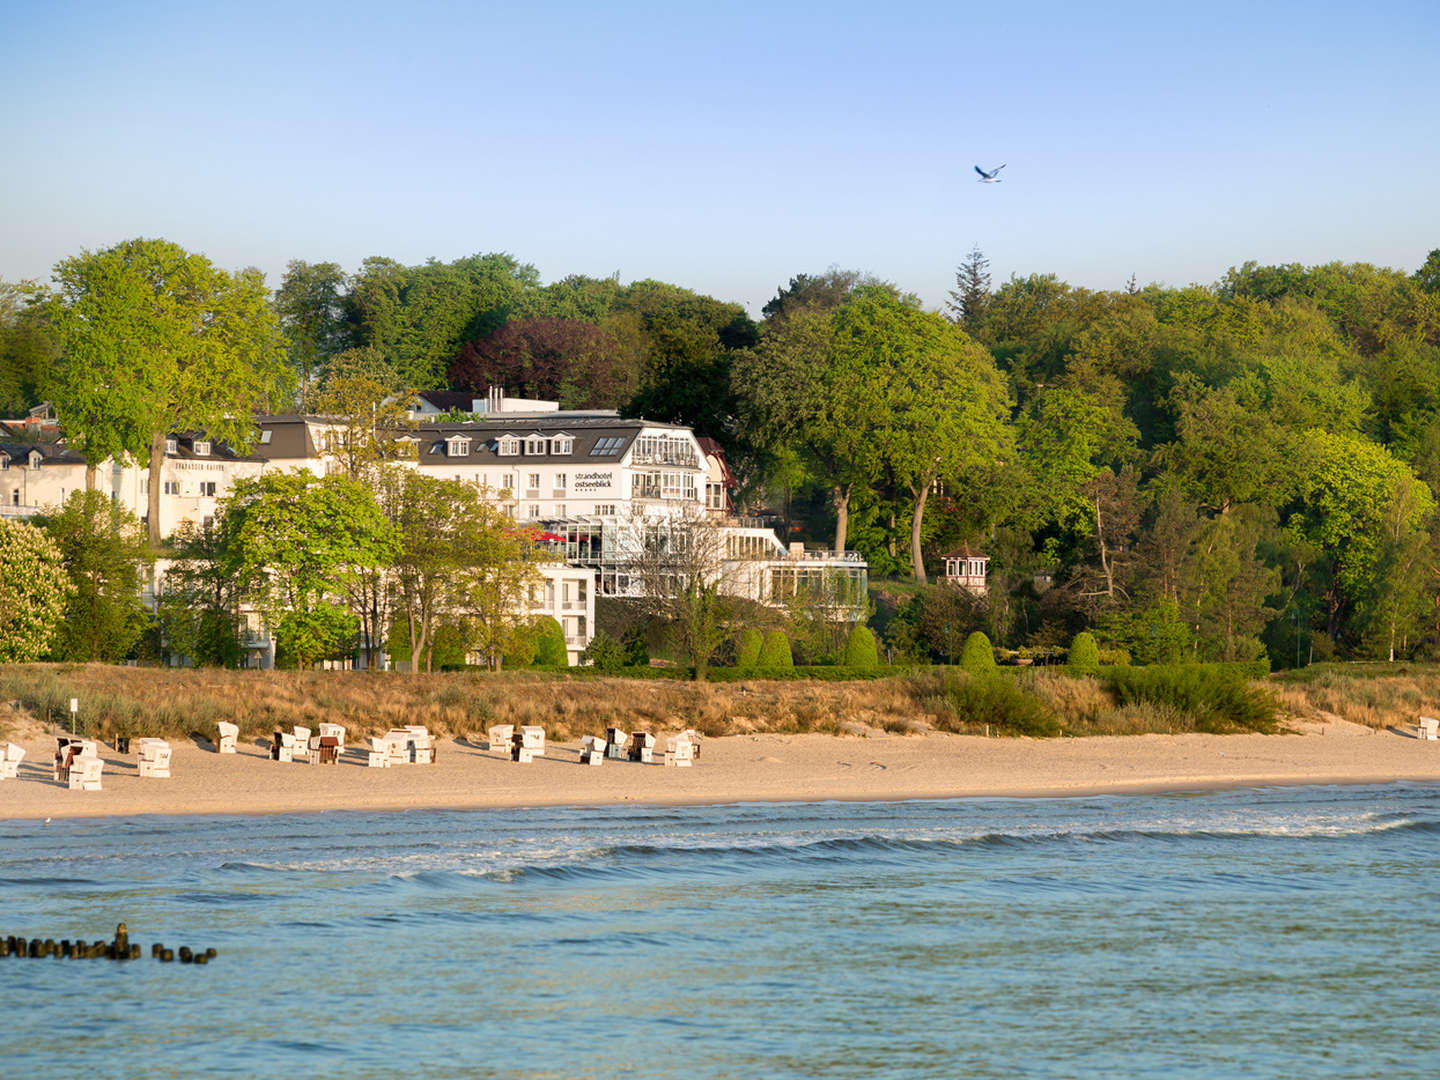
column 1283, row 932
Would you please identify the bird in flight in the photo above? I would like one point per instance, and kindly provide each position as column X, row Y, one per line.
column 990, row 177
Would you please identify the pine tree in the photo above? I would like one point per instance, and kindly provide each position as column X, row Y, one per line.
column 972, row 289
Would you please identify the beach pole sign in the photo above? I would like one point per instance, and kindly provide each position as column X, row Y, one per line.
column 74, row 711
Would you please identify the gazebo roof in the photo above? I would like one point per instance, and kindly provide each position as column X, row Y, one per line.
column 964, row 552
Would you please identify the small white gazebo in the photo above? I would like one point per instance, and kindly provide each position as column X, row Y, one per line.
column 966, row 569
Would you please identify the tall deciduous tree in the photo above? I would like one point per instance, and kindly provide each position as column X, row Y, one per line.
column 937, row 407
column 34, row 590
column 198, row 606
column 104, row 551
column 311, row 305
column 156, row 340
column 27, row 347
column 299, row 543
column 366, row 411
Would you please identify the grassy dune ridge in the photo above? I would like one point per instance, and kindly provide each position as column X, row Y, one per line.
column 180, row 702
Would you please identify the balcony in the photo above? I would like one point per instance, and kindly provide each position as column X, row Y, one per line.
column 677, row 454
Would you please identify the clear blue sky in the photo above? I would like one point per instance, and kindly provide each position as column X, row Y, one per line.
column 726, row 147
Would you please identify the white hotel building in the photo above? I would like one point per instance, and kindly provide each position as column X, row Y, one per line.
column 597, row 485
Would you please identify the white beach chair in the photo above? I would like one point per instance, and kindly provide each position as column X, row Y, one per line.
column 302, row 750
column 421, row 744
column 615, row 741
column 334, row 731
column 10, row 763
column 379, row 757
column 398, row 740
column 592, row 750
column 680, row 751
column 533, row 739
column 1428, row 727
column 154, row 759
column 85, row 773
column 499, row 736
column 228, row 734
column 694, row 737
column 284, row 750
column 70, row 750
column 642, row 747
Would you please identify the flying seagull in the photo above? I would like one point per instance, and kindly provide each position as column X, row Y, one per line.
column 990, row 177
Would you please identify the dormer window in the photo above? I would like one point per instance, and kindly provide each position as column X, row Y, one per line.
column 509, row 446
column 4, row 461
column 35, row 458
column 457, row 446
column 171, row 446
column 202, row 447
column 562, row 444
column 535, row 444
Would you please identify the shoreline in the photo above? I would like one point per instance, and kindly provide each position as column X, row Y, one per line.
column 757, row 768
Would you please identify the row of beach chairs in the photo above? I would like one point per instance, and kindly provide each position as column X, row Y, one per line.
column 299, row 745
column 410, row 745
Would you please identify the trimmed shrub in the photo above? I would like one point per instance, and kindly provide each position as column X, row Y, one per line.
column 775, row 652
column 1218, row 697
column 978, row 657
column 860, row 650
column 550, row 643
column 747, row 652
column 604, row 653
column 1084, row 658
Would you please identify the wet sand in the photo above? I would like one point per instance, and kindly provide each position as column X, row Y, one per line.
column 739, row 768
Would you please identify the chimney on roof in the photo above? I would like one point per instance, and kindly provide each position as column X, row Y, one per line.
column 496, row 401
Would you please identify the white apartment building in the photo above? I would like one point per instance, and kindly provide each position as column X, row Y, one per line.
column 196, row 473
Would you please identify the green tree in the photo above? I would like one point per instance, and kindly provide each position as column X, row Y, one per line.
column 311, row 306
column 680, row 568
column 966, row 305
column 198, row 606
column 34, row 592
column 299, row 542
column 1227, row 583
column 1354, row 484
column 104, row 552
column 27, row 346
column 499, row 568
column 938, row 407
column 156, row 340
column 367, row 412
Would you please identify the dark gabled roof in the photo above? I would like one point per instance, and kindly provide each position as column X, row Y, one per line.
column 219, row 451
column 485, row 436
column 289, row 439
column 50, row 453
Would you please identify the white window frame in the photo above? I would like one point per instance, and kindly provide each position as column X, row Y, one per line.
column 202, row 447
column 536, row 445
column 172, row 446
column 457, row 446
column 509, row 446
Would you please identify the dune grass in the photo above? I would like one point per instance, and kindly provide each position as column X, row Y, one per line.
column 1012, row 701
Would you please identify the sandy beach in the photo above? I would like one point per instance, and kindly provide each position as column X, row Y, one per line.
column 740, row 768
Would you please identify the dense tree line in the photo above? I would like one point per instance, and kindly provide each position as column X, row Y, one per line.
column 1210, row 472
